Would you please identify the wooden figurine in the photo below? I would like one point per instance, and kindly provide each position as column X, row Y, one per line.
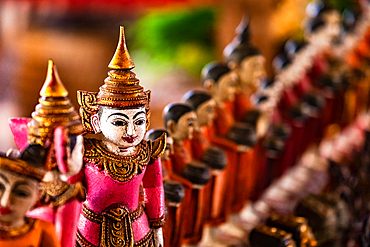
column 180, row 122
column 220, row 82
column 120, row 162
column 19, row 190
column 56, row 126
column 202, row 150
column 173, row 191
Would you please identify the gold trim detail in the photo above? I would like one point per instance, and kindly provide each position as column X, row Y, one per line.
column 87, row 101
column 157, row 223
column 16, row 232
column 58, row 192
column 120, row 168
column 158, row 146
column 21, row 167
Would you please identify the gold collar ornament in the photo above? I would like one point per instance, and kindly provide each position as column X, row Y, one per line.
column 120, row 89
column 120, row 168
column 54, row 109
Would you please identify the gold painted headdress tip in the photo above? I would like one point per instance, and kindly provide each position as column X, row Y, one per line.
column 53, row 86
column 121, row 58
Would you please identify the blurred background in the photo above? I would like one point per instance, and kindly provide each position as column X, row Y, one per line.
column 169, row 40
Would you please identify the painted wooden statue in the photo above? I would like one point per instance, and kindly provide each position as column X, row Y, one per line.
column 57, row 127
column 19, row 190
column 119, row 161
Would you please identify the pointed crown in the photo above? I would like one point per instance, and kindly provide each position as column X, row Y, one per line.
column 120, row 89
column 54, row 109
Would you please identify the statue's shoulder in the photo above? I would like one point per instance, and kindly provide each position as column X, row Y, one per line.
column 158, row 146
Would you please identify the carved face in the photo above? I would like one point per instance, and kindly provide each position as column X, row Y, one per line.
column 124, row 128
column 251, row 71
column 226, row 87
column 18, row 195
column 332, row 20
column 169, row 149
column 184, row 128
column 205, row 113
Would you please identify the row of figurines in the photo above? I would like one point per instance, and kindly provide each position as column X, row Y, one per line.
column 243, row 143
column 115, row 171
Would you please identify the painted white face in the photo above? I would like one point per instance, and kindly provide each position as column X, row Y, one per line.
column 124, row 128
column 18, row 194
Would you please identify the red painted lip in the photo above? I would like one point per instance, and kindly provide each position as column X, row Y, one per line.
column 5, row 210
column 129, row 139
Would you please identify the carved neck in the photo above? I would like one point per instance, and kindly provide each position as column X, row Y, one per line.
column 118, row 150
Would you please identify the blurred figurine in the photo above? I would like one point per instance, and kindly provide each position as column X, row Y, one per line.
column 173, row 191
column 180, row 122
column 19, row 190
column 56, row 126
column 120, row 162
column 214, row 157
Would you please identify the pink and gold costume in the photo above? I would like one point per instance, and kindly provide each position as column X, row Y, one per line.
column 113, row 213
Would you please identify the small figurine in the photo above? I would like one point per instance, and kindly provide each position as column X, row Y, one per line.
column 220, row 82
column 19, row 189
column 57, row 126
column 180, row 122
column 173, row 191
column 249, row 64
column 214, row 157
column 120, row 162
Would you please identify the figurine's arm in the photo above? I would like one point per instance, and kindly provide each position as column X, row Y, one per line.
column 223, row 143
column 154, row 199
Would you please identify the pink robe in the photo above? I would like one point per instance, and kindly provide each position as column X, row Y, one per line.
column 102, row 191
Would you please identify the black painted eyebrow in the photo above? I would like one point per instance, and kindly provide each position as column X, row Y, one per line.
column 191, row 119
column 120, row 114
column 4, row 178
column 140, row 112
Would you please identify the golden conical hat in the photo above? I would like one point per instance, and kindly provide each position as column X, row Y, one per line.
column 54, row 109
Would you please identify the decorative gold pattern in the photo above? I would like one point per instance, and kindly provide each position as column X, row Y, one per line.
column 16, row 232
column 158, row 146
column 146, row 241
column 21, row 167
column 157, row 223
column 121, row 168
column 58, row 192
column 98, row 218
column 54, row 109
column 116, row 225
column 88, row 107
column 120, row 89
column 121, row 58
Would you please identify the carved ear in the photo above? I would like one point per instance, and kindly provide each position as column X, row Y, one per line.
column 209, row 85
column 95, row 123
column 171, row 127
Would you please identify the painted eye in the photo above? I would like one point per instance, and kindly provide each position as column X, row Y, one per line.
column 21, row 193
column 140, row 121
column 2, row 186
column 118, row 123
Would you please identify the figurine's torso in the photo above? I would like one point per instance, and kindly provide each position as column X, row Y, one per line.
column 112, row 187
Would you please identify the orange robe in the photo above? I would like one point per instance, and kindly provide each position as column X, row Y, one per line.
column 40, row 234
column 190, row 231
